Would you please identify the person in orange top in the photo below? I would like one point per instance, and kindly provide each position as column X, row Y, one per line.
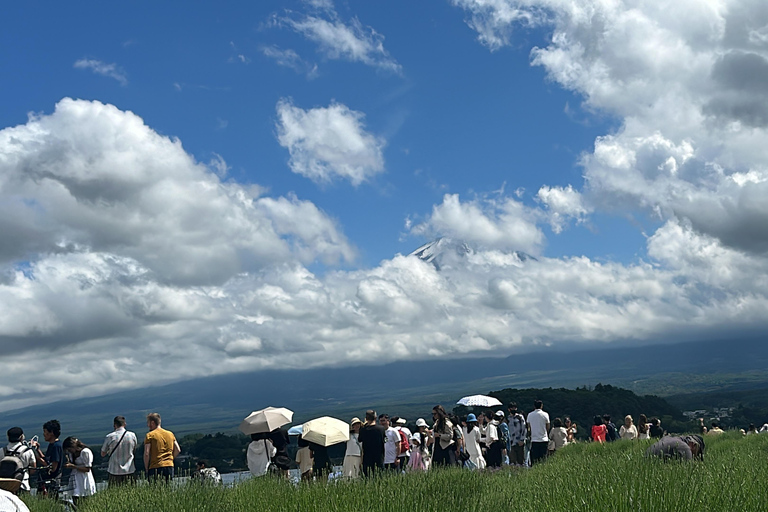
column 160, row 448
column 599, row 430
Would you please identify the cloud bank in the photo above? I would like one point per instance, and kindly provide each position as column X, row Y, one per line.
column 125, row 259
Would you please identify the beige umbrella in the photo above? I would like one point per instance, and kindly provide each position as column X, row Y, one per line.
column 325, row 431
column 266, row 420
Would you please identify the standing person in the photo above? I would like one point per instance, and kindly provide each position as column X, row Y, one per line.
column 260, row 453
column 405, row 450
column 321, row 462
column 392, row 443
column 472, row 442
column 642, row 427
column 160, row 448
column 17, row 448
column 538, row 427
column 655, row 429
column 628, row 429
column 503, row 429
column 558, row 436
column 570, row 428
column 82, row 458
column 599, row 430
column 416, row 461
column 445, row 445
column 504, row 435
column 458, row 436
column 304, row 460
column 493, row 441
column 611, row 434
column 426, row 441
column 372, row 438
column 119, row 446
column 353, row 461
column 517, row 431
column 49, row 480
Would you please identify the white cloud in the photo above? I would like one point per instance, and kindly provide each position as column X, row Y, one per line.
column 290, row 59
column 91, row 177
column 104, row 69
column 329, row 142
column 111, row 324
column 688, row 82
column 347, row 41
column 121, row 253
column 491, row 223
column 563, row 203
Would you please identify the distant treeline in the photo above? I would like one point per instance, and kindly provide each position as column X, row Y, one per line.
column 584, row 403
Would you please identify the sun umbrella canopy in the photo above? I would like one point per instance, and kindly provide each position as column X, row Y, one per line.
column 266, row 420
column 325, row 431
column 479, row 401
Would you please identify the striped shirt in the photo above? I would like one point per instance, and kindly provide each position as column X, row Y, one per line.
column 121, row 461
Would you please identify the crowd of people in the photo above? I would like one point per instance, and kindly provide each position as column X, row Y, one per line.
column 379, row 443
column 23, row 463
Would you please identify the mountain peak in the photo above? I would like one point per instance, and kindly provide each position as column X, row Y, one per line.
column 445, row 252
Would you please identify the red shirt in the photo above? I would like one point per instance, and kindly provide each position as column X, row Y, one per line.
column 598, row 432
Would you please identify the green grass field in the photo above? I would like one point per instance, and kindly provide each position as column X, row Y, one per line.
column 582, row 477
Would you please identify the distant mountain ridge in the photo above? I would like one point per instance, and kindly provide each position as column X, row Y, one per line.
column 408, row 388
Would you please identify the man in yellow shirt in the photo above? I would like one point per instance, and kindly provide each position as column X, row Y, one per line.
column 160, row 448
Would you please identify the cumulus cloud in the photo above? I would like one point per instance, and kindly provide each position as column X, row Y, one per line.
column 111, row 324
column 337, row 39
column 92, row 177
column 688, row 82
column 331, row 142
column 491, row 223
column 104, row 69
column 121, row 253
column 563, row 204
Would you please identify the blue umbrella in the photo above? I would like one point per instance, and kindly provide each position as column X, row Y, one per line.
column 295, row 431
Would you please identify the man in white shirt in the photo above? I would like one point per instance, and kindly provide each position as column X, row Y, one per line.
column 391, row 443
column 538, row 426
column 119, row 446
column 26, row 455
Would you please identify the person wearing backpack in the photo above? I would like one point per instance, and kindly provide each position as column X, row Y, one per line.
column 17, row 459
column 405, row 442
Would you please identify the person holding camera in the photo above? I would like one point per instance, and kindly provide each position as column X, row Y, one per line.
column 49, row 479
column 20, row 450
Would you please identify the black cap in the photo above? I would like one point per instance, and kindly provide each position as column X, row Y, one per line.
column 15, row 434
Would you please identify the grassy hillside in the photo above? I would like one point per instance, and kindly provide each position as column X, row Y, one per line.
column 615, row 477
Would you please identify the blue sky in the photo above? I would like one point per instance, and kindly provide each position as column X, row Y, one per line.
column 228, row 187
column 457, row 119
